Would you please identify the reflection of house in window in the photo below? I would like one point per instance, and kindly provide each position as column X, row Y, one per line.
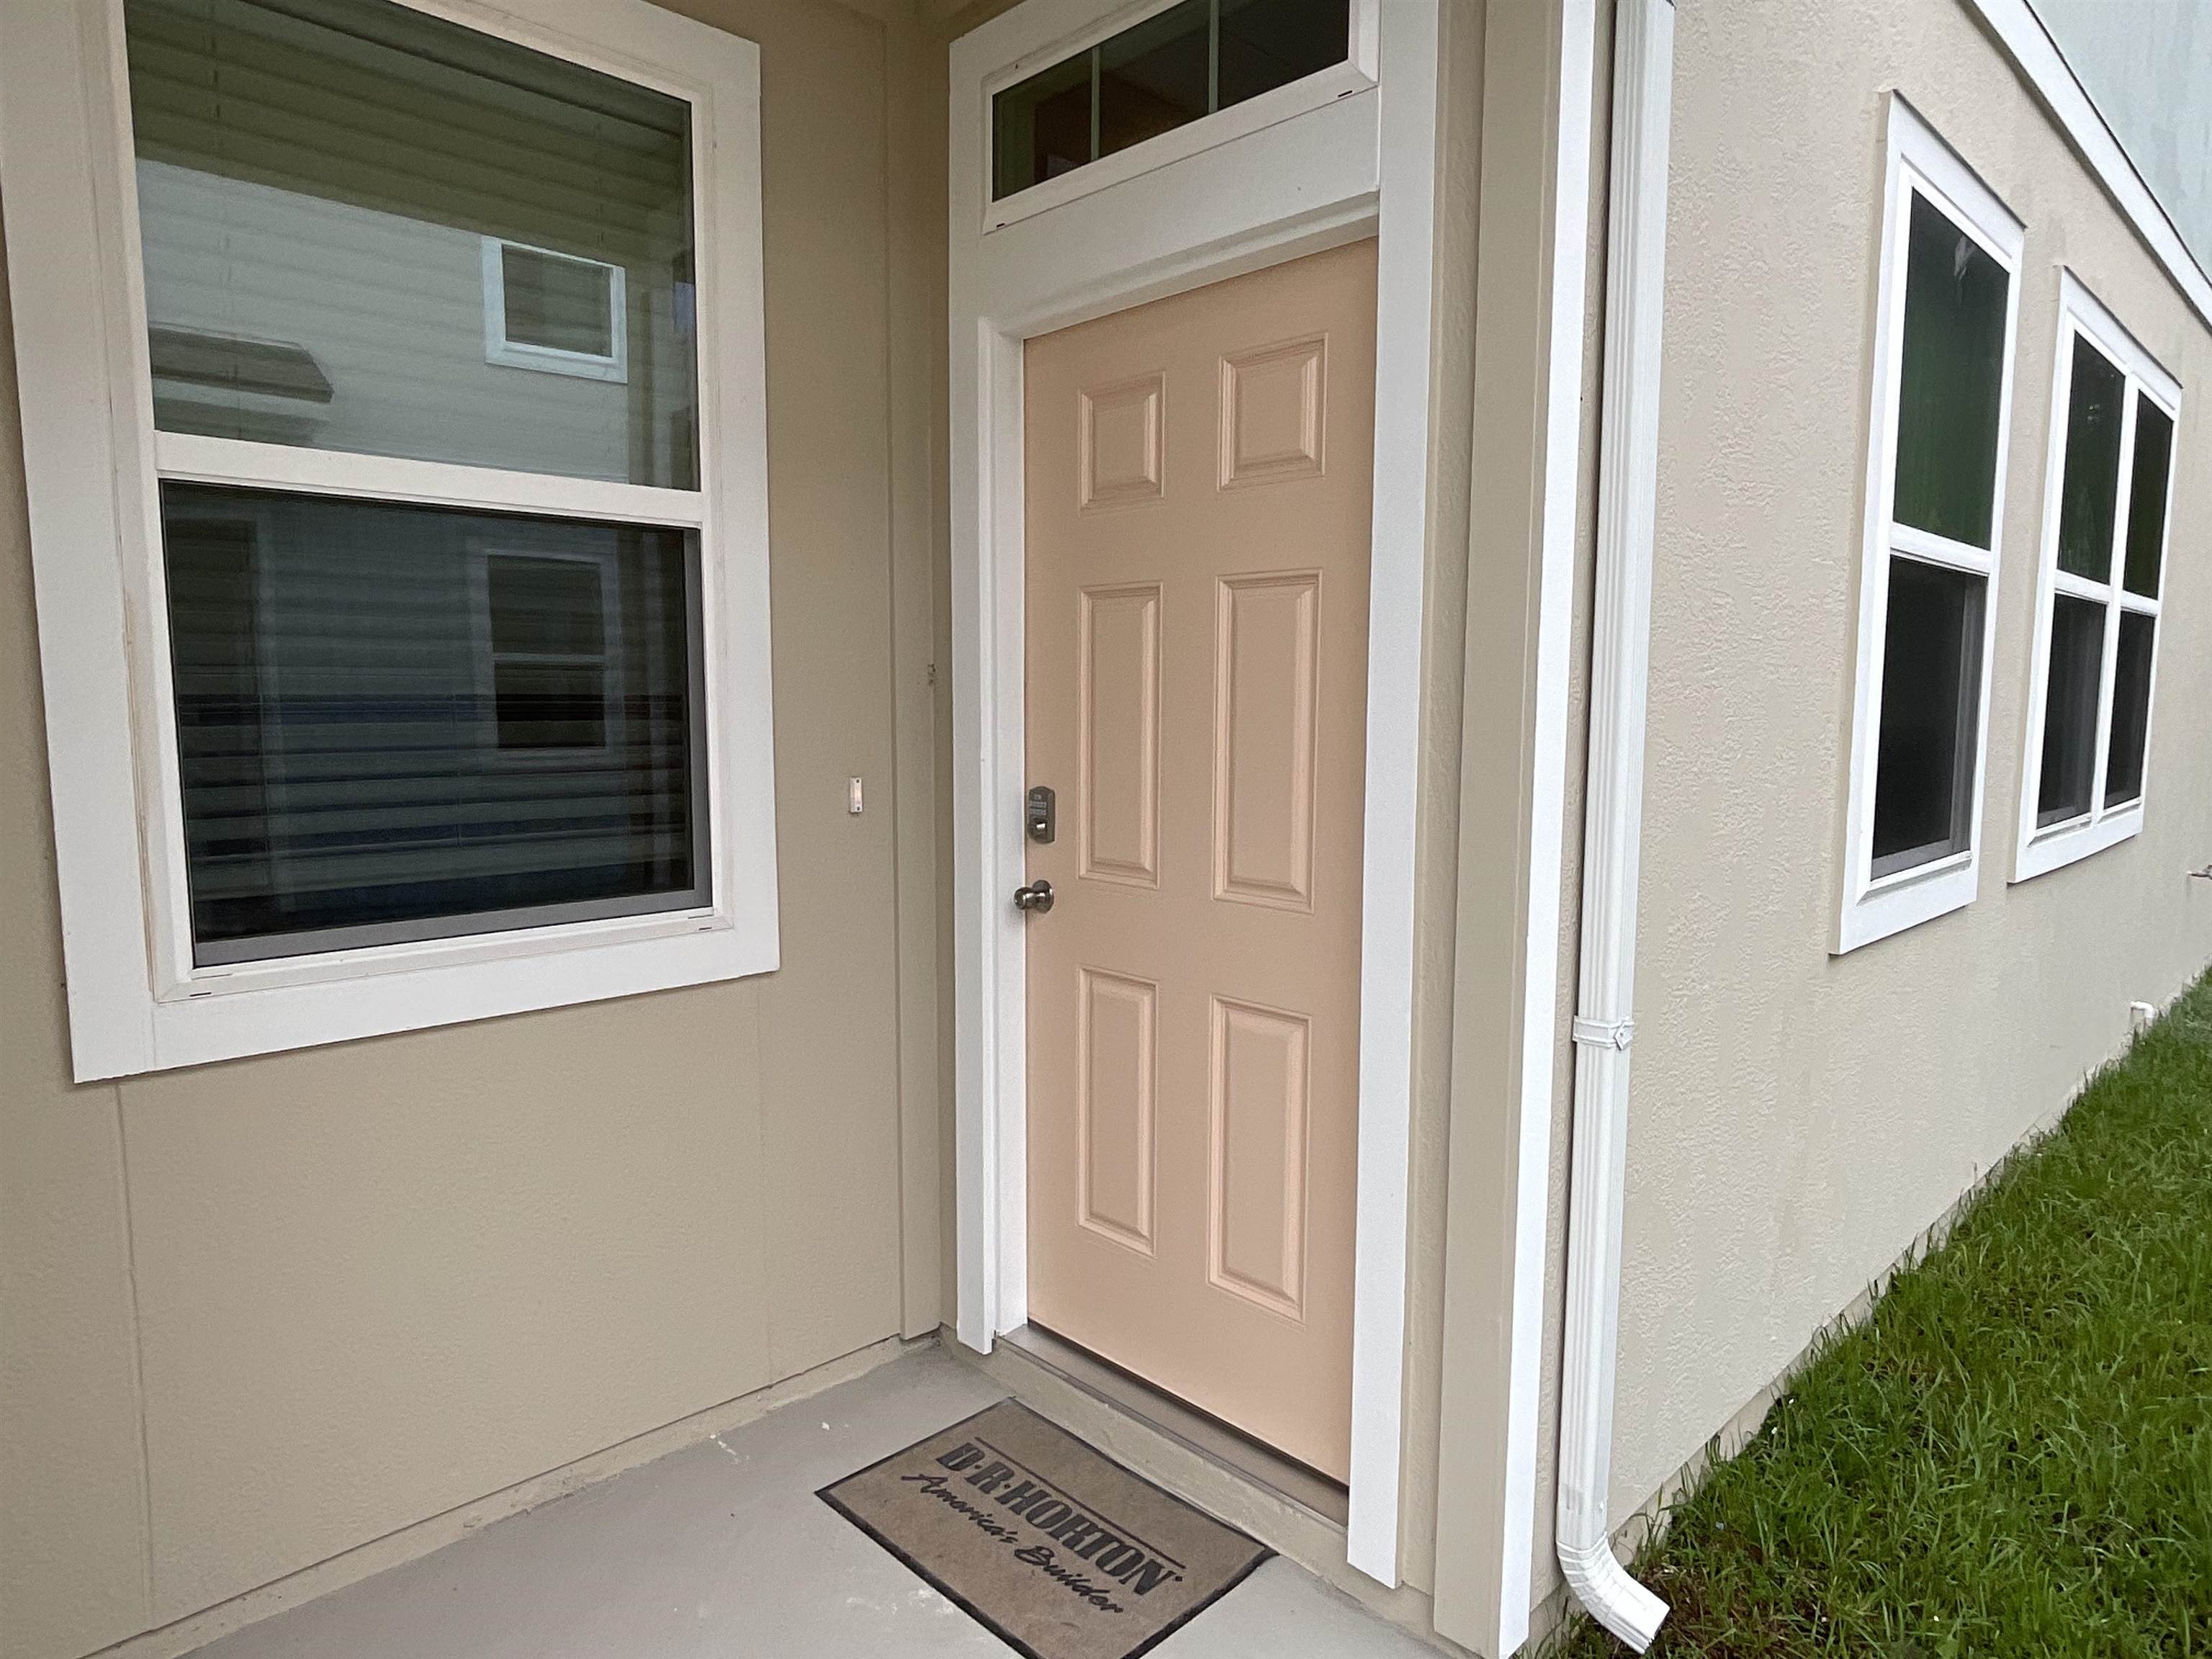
column 549, row 627
column 216, row 640
column 560, row 313
column 270, row 390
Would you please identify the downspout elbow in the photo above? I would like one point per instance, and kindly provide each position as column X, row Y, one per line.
column 1608, row 1595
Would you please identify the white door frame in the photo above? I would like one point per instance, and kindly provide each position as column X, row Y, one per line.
column 1345, row 154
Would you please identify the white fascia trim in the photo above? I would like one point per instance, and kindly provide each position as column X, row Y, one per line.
column 2029, row 44
column 1404, row 285
column 1567, row 304
column 1628, row 475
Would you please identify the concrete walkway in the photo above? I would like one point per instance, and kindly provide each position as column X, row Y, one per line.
column 723, row 1550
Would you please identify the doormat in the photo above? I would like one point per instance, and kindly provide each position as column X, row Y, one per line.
column 1053, row 1547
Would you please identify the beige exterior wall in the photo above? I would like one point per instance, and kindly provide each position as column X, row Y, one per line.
column 255, row 1313
column 1798, row 1118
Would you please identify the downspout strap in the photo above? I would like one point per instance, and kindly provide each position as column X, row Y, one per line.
column 1604, row 1033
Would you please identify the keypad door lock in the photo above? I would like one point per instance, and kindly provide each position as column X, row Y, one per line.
column 1043, row 814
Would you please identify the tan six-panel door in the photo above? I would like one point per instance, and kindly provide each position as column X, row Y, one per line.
column 1199, row 480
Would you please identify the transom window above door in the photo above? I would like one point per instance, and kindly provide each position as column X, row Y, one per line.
column 1177, row 66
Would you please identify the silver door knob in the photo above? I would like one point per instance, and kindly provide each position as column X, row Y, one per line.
column 1037, row 897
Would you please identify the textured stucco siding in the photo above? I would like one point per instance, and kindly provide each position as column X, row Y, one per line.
column 1798, row 1117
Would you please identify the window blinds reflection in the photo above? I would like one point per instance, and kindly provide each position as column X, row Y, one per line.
column 319, row 180
column 401, row 722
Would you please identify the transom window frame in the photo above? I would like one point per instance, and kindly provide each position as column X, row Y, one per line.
column 1357, row 73
column 2040, row 849
column 94, row 464
column 1919, row 163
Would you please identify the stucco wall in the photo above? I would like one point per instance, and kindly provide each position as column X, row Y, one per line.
column 255, row 1313
column 1797, row 1118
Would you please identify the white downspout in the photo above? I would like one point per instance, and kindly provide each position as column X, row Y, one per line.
column 1628, row 467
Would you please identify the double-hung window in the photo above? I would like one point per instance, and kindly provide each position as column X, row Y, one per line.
column 1947, row 300
column 398, row 508
column 2107, row 502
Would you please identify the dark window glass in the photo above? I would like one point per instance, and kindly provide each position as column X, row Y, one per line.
column 548, row 624
column 1041, row 127
column 1266, row 43
column 1155, row 76
column 2070, row 710
column 317, row 181
column 560, row 303
column 1161, row 73
column 1930, row 697
column 404, row 722
column 2147, row 497
column 2123, row 767
column 2090, row 493
column 1950, row 382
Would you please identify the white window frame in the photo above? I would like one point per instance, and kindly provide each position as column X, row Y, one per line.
column 2042, row 850
column 611, row 365
column 1919, row 163
column 91, row 460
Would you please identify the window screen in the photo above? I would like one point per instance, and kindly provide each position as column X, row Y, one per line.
column 1930, row 689
column 406, row 722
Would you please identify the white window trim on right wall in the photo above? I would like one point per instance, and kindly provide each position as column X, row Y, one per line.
column 2042, row 850
column 1918, row 162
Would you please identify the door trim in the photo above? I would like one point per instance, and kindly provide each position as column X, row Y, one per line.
column 1357, row 165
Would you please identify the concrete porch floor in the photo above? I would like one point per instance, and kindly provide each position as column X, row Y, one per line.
column 723, row 1549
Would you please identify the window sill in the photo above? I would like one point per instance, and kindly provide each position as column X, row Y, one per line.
column 2063, row 844
column 1905, row 900
column 344, row 995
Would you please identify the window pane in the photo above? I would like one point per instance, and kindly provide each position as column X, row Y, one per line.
column 2147, row 497
column 2123, row 770
column 544, row 607
column 1930, row 703
column 550, row 705
column 2070, row 710
column 2089, row 495
column 1266, row 43
column 1041, row 127
column 316, row 180
column 556, row 302
column 1155, row 77
column 404, row 722
column 1950, row 382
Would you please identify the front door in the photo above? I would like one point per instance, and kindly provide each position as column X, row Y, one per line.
column 1199, row 483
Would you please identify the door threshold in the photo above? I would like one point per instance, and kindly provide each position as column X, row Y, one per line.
column 1228, row 1448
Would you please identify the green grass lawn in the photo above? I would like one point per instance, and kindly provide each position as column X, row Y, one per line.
column 2012, row 1457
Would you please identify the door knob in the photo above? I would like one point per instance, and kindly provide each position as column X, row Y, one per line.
column 1037, row 897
